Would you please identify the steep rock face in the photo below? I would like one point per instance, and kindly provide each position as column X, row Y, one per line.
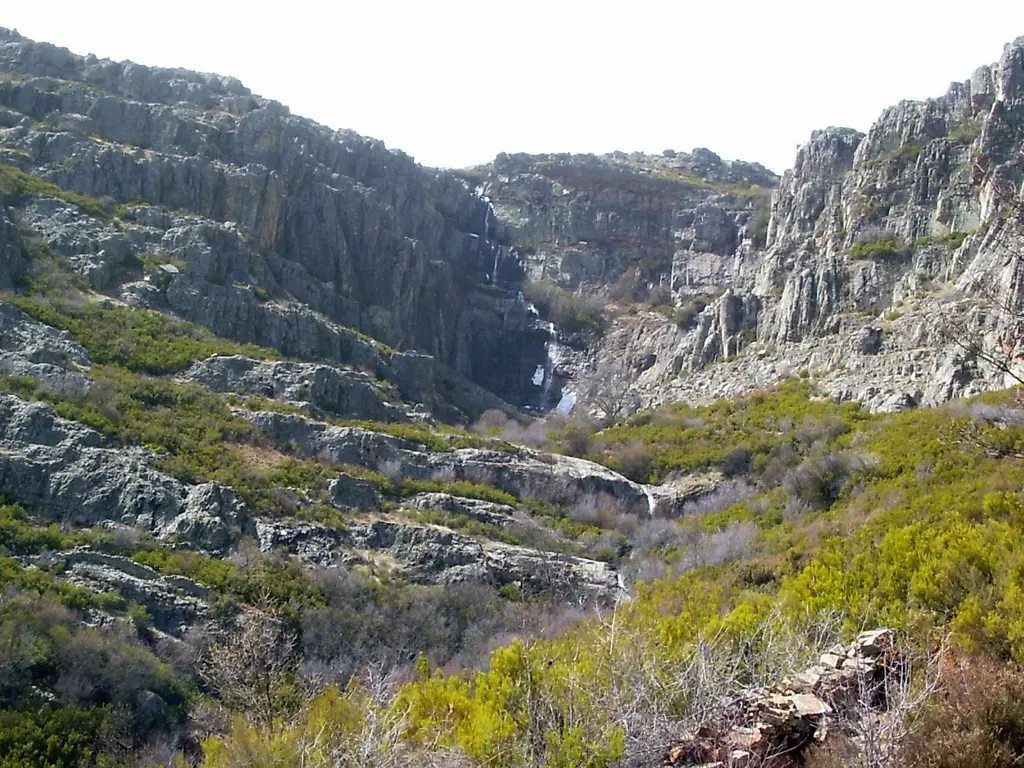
column 880, row 248
column 355, row 232
column 586, row 222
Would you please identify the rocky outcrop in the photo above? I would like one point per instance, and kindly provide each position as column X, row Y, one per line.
column 433, row 555
column 773, row 727
column 31, row 349
column 339, row 392
column 585, row 222
column 527, row 474
column 63, row 472
column 174, row 603
column 881, row 248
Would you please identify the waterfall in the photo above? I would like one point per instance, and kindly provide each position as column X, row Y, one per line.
column 554, row 355
column 651, row 501
column 486, row 236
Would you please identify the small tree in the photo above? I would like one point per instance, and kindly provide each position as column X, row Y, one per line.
column 253, row 667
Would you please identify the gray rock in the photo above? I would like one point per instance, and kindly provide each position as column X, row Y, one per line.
column 475, row 509
column 353, row 493
column 334, row 390
column 434, row 555
column 174, row 602
column 359, row 234
column 868, row 341
column 879, row 246
column 528, row 474
column 61, row 469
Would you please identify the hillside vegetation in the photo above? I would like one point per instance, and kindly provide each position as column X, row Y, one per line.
column 827, row 519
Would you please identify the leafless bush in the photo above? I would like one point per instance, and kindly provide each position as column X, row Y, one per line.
column 577, row 438
column 647, row 569
column 654, row 698
column 604, row 511
column 252, row 667
column 878, row 724
column 491, row 421
column 1005, row 415
column 634, row 460
column 656, row 536
column 779, row 462
column 813, row 430
column 719, row 547
column 726, row 495
column 659, row 295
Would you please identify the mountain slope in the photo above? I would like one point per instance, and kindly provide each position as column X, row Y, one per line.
column 257, row 203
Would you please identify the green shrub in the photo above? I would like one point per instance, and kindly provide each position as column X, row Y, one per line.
column 410, row 487
column 139, row 340
column 965, row 133
column 18, row 185
column 53, row 737
column 909, row 151
column 569, row 313
column 686, row 315
column 879, row 250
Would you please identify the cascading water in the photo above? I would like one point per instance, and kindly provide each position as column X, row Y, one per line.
column 495, row 248
column 553, row 356
column 544, row 376
column 652, row 503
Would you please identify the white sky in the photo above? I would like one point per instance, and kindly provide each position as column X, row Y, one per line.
column 454, row 82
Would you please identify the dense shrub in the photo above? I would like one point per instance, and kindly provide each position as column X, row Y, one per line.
column 686, row 315
column 752, row 432
column 977, row 720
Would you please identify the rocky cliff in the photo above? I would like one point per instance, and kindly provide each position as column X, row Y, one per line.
column 881, row 249
column 276, row 229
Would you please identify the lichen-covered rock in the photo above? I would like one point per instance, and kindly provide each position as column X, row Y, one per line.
column 32, row 349
column 62, row 470
column 351, row 492
column 175, row 603
column 433, row 555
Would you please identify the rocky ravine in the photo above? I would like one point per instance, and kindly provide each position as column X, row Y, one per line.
column 875, row 243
